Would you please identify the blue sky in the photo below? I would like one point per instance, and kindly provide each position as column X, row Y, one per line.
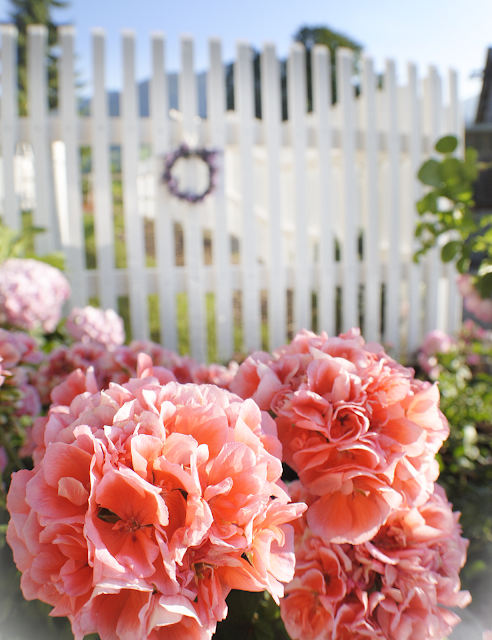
column 447, row 33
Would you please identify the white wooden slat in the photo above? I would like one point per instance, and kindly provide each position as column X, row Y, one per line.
column 61, row 191
column 272, row 117
column 345, row 95
column 297, row 108
column 321, row 75
column 193, row 213
column 392, row 307
column 164, row 229
column 372, row 292
column 75, row 250
column 243, row 95
column 432, row 110
column 101, row 172
column 9, row 123
column 37, row 105
column 134, row 238
column 455, row 300
column 415, row 274
column 216, row 106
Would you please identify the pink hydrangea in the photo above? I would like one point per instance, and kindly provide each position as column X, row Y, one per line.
column 89, row 324
column 360, row 431
column 149, row 502
column 398, row 585
column 32, row 294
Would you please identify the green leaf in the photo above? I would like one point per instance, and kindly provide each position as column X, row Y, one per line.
column 483, row 284
column 447, row 144
column 463, row 264
column 450, row 172
column 428, row 203
column 430, row 173
column 55, row 259
column 449, row 250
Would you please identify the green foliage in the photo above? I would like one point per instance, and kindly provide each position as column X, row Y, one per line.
column 252, row 616
column 17, row 244
column 464, row 375
column 447, row 208
column 24, row 13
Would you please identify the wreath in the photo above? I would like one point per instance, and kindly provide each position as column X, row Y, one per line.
column 183, row 151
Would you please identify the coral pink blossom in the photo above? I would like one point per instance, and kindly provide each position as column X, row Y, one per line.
column 356, row 426
column 149, row 501
column 398, row 585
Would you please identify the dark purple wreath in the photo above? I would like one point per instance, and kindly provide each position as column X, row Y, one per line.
column 183, row 151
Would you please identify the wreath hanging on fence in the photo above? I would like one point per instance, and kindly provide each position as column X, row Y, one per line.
column 183, row 151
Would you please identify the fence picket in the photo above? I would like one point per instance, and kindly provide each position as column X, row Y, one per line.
column 271, row 114
column 392, row 307
column 164, row 231
column 216, row 105
column 372, row 292
column 432, row 111
column 243, row 92
column 297, row 108
column 9, row 123
column 192, row 212
column 134, row 238
column 75, row 250
column 102, row 182
column 37, row 105
column 455, row 300
column 414, row 336
column 322, row 109
column 348, row 209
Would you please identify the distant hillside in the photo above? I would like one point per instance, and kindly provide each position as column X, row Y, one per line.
column 143, row 97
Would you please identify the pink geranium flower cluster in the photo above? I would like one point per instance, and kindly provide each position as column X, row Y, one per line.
column 360, row 431
column 396, row 586
column 480, row 307
column 149, row 501
column 32, row 294
column 90, row 324
column 120, row 364
column 435, row 342
column 18, row 352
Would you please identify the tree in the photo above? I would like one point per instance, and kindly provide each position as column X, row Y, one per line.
column 26, row 12
column 309, row 36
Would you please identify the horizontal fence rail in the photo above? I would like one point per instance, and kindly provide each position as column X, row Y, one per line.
column 310, row 224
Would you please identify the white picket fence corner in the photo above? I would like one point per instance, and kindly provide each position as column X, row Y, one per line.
column 289, row 192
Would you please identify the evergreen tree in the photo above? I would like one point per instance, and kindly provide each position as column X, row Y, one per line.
column 24, row 13
column 309, row 36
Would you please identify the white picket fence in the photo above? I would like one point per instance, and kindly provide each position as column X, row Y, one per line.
column 289, row 191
